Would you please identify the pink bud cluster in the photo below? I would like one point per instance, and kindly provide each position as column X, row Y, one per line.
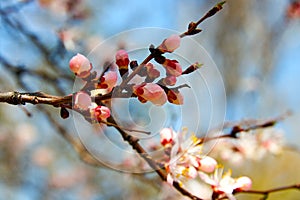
column 81, row 67
column 157, row 93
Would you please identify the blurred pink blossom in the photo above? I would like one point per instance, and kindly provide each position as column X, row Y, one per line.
column 80, row 66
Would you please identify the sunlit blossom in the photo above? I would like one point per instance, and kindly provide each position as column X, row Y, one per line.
column 150, row 92
column 170, row 44
column 108, row 80
column 80, row 65
column 224, row 184
column 100, row 113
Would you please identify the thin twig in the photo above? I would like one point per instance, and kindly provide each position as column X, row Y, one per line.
column 267, row 192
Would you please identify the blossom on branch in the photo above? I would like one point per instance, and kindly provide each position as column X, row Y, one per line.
column 100, row 113
column 252, row 145
column 108, row 81
column 122, row 60
column 186, row 159
column 169, row 80
column 82, row 101
column 152, row 73
column 150, row 92
column 173, row 68
column 80, row 66
column 170, row 44
column 166, row 137
column 224, row 184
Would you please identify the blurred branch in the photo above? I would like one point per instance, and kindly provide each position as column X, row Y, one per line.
column 15, row 7
column 267, row 192
column 47, row 53
column 237, row 127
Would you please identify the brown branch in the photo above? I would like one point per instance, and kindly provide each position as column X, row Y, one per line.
column 267, row 192
column 237, row 128
column 16, row 98
column 192, row 28
column 134, row 142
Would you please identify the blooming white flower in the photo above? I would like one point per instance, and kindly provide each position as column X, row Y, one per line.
column 224, row 184
column 186, row 157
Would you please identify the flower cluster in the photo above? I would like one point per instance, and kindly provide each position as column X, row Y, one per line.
column 186, row 161
column 186, row 157
column 148, row 89
column 81, row 67
column 252, row 145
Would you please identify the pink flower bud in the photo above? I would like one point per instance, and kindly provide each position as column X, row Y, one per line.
column 166, row 136
column 122, row 59
column 82, row 100
column 80, row 66
column 243, row 183
column 151, row 71
column 175, row 97
column 150, row 92
column 170, row 44
column 208, row 164
column 172, row 67
column 293, row 10
column 170, row 80
column 108, row 80
column 100, row 113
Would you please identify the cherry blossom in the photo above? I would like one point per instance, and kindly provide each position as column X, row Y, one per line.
column 170, row 80
column 224, row 184
column 108, row 80
column 172, row 67
column 100, row 113
column 80, row 66
column 186, row 157
column 150, row 92
column 170, row 44
column 82, row 101
column 122, row 60
column 151, row 71
column 166, row 136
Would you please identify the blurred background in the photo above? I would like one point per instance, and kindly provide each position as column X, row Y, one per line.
column 255, row 45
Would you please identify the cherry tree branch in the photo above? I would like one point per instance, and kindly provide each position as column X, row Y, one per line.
column 238, row 127
column 192, row 30
column 267, row 192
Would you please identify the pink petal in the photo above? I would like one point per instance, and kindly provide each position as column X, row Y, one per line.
column 170, row 44
column 82, row 100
